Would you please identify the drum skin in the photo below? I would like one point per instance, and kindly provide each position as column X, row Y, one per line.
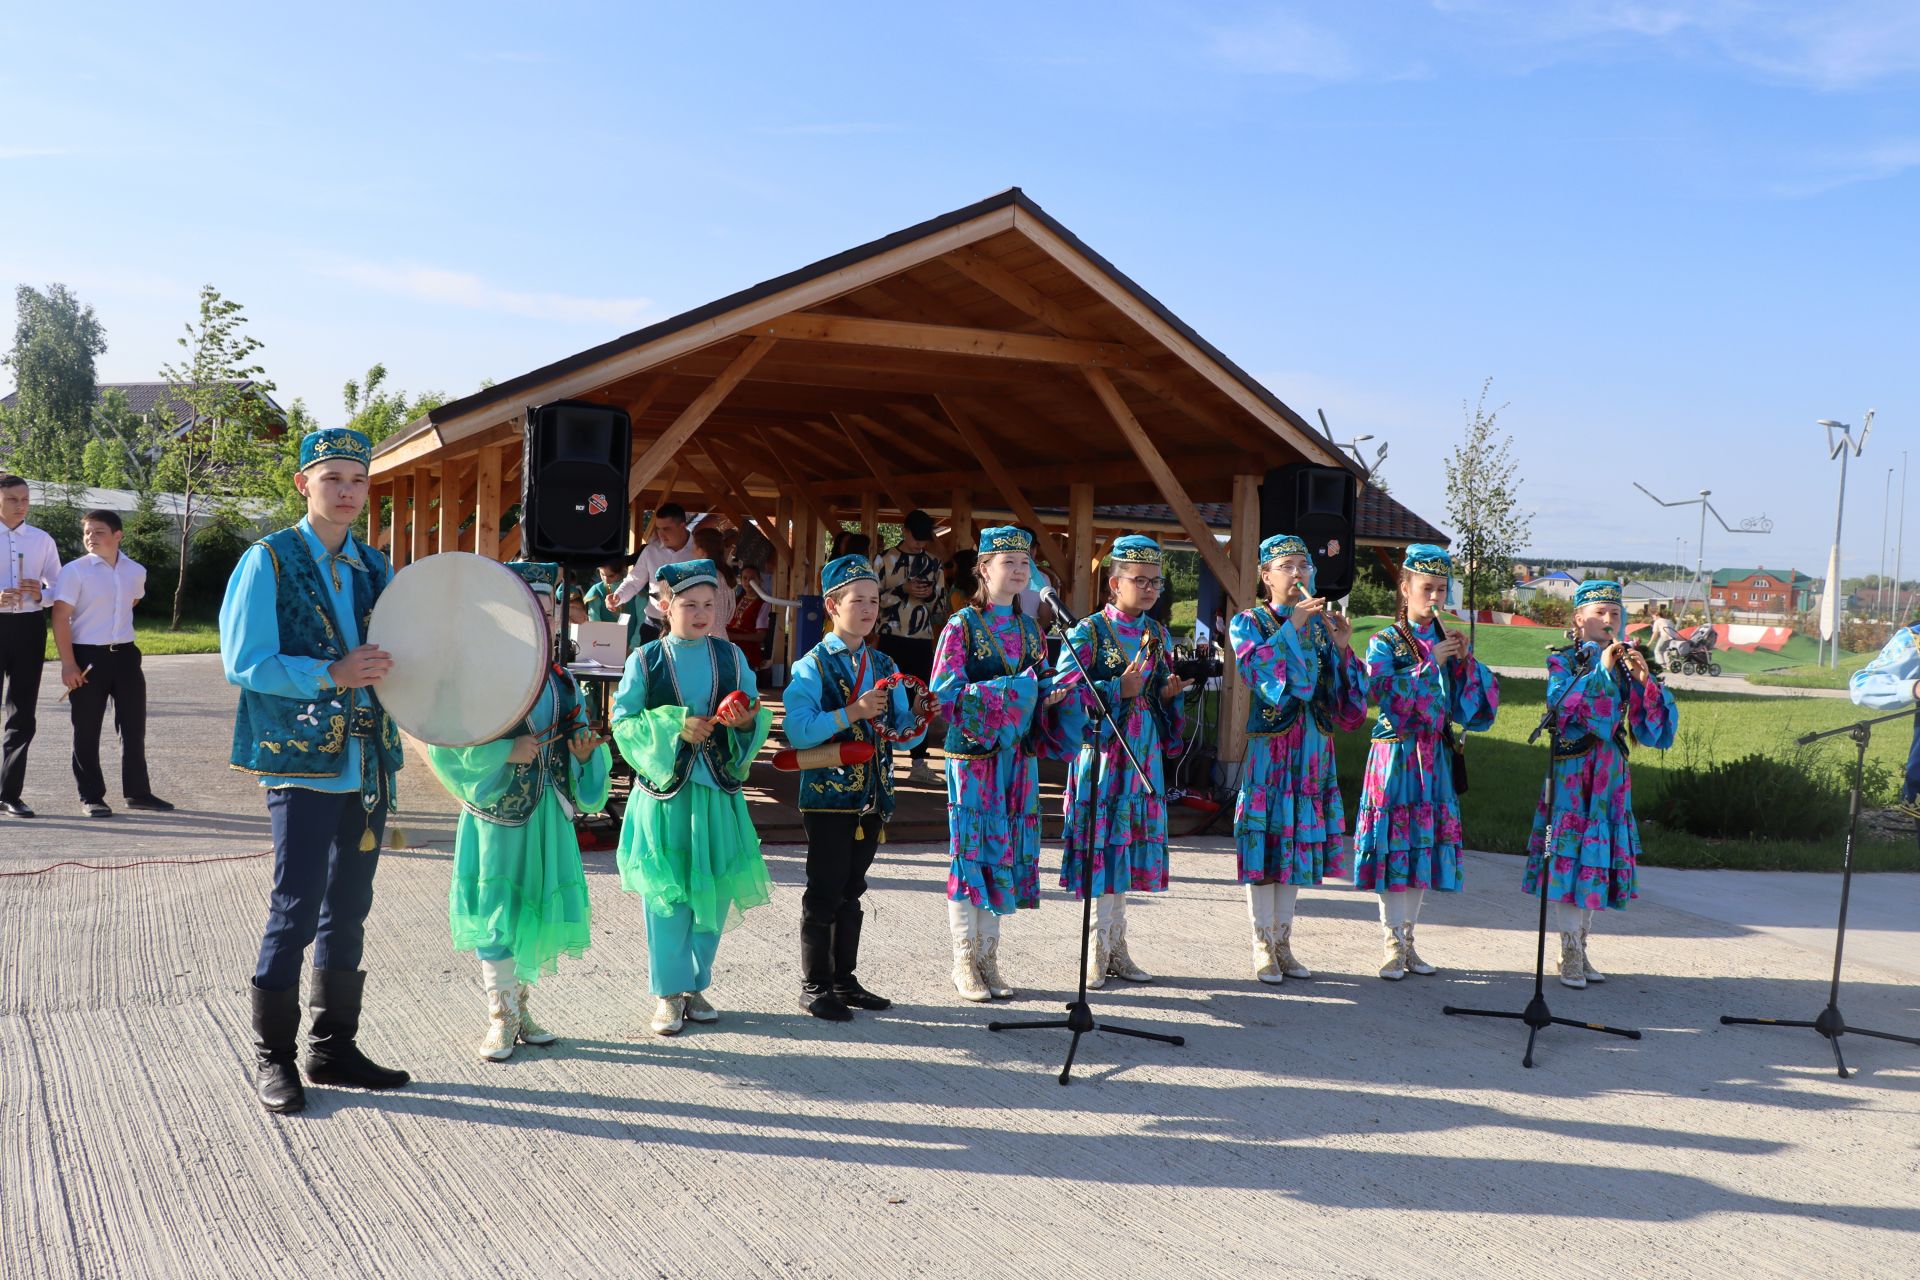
column 470, row 643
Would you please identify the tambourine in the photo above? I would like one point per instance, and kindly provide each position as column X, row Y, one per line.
column 918, row 696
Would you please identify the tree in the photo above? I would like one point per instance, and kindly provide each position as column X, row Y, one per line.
column 1483, row 504
column 115, row 456
column 55, row 341
column 224, row 453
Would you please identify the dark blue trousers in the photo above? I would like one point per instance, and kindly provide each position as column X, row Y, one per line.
column 322, row 883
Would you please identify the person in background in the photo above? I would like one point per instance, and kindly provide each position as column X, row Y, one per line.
column 747, row 628
column 910, row 611
column 712, row 545
column 93, row 632
column 669, row 543
column 1664, row 634
column 960, row 579
column 595, row 600
column 31, row 563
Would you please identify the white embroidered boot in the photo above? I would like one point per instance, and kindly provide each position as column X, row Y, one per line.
column 1573, row 968
column 1393, row 924
column 987, row 930
column 1417, row 897
column 1260, row 908
column 531, row 1032
column 503, row 1011
column 1099, row 945
column 1586, row 925
column 1119, row 963
column 1286, row 897
column 966, row 963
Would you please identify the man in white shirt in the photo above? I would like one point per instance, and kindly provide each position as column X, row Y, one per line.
column 29, row 563
column 670, row 544
column 93, row 633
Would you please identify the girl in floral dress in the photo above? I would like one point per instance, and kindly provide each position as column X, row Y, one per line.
column 1289, row 822
column 1424, row 681
column 1607, row 697
column 1116, row 828
column 989, row 675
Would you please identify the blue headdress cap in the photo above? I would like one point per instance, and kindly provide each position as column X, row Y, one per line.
column 1282, row 545
column 1424, row 557
column 543, row 577
column 687, row 573
column 1004, row 538
column 330, row 443
column 1134, row 548
column 1596, row 591
column 838, row 573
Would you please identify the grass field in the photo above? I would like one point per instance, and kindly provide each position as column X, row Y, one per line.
column 1810, row 676
column 153, row 637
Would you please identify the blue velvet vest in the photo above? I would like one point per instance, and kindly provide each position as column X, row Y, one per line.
column 1264, row 721
column 549, row 768
column 986, row 661
column 1110, row 659
column 1586, row 660
column 850, row 788
column 292, row 738
column 725, row 747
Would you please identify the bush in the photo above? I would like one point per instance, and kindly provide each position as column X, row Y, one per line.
column 1802, row 796
column 1549, row 611
column 1857, row 636
column 1372, row 597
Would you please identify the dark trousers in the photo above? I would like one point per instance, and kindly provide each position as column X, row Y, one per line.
column 914, row 658
column 116, row 674
column 322, row 882
column 830, row 915
column 23, row 652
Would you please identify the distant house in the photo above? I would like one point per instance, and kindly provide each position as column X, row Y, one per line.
column 148, row 399
column 1768, row 593
column 1557, row 585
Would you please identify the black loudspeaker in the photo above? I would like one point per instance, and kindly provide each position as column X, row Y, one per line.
column 1317, row 504
column 573, row 482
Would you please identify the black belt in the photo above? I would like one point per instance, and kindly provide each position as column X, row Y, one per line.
column 115, row 647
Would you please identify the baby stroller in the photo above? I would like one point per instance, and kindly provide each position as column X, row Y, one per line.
column 1692, row 655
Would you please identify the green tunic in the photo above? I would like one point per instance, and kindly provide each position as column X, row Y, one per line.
column 519, row 887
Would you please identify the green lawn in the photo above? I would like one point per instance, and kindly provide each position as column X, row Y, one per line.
column 151, row 633
column 1810, row 676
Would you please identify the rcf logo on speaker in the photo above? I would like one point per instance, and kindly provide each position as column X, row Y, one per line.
column 596, row 504
column 1333, row 548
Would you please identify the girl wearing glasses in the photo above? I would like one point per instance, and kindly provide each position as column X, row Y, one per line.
column 1116, row 827
column 1295, row 654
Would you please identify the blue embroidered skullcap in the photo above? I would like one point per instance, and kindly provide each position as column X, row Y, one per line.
column 687, row 573
column 1004, row 537
column 1281, row 545
column 846, row 569
column 541, row 575
column 1596, row 591
column 1134, row 548
column 329, row 443
column 1424, row 557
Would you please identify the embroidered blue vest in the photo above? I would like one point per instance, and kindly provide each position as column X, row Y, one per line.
column 549, row 767
column 1110, row 659
column 1587, row 660
column 850, row 788
column 986, row 661
column 724, row 748
column 1264, row 721
column 293, row 738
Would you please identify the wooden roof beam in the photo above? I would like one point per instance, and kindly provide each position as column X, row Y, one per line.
column 799, row 489
column 947, row 339
column 1049, row 547
column 856, row 436
column 662, row 450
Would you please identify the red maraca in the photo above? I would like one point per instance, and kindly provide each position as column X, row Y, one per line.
column 736, row 706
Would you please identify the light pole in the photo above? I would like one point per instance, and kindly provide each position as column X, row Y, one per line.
column 1353, row 447
column 1880, row 578
column 1900, row 539
column 1840, row 443
column 1752, row 524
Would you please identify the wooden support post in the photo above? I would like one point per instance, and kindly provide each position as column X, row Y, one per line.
column 1231, row 742
column 487, row 501
column 1170, row 487
column 774, row 579
column 375, row 499
column 1046, row 544
column 1080, row 589
column 420, row 536
column 733, row 479
column 960, row 519
column 453, row 474
column 662, row 451
column 870, row 521
column 642, row 527
column 402, row 516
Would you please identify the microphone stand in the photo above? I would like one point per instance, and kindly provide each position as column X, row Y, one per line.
column 1830, row 1024
column 1537, row 1015
column 1079, row 1019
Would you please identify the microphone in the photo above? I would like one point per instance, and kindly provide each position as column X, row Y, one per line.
column 1052, row 598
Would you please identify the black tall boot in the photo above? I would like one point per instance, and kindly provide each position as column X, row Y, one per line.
column 332, row 1055
column 816, row 973
column 846, row 961
column 276, row 1042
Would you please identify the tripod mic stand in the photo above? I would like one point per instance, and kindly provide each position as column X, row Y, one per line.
column 1830, row 1024
column 1079, row 1019
column 1537, row 1015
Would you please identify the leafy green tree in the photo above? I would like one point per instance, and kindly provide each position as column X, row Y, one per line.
column 56, row 339
column 115, row 456
column 1483, row 504
column 225, row 452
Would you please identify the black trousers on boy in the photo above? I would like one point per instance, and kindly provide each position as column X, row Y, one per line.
column 830, row 915
column 115, row 674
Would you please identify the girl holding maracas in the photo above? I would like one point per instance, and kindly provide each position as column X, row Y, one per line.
column 685, row 718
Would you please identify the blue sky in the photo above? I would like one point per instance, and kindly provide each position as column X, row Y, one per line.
column 1674, row 234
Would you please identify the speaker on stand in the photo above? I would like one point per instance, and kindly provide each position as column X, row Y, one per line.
column 573, row 483
column 1316, row 503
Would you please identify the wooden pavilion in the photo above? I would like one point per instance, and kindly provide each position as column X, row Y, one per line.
column 985, row 359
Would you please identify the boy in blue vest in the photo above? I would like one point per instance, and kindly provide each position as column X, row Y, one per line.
column 833, row 698
column 311, row 728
